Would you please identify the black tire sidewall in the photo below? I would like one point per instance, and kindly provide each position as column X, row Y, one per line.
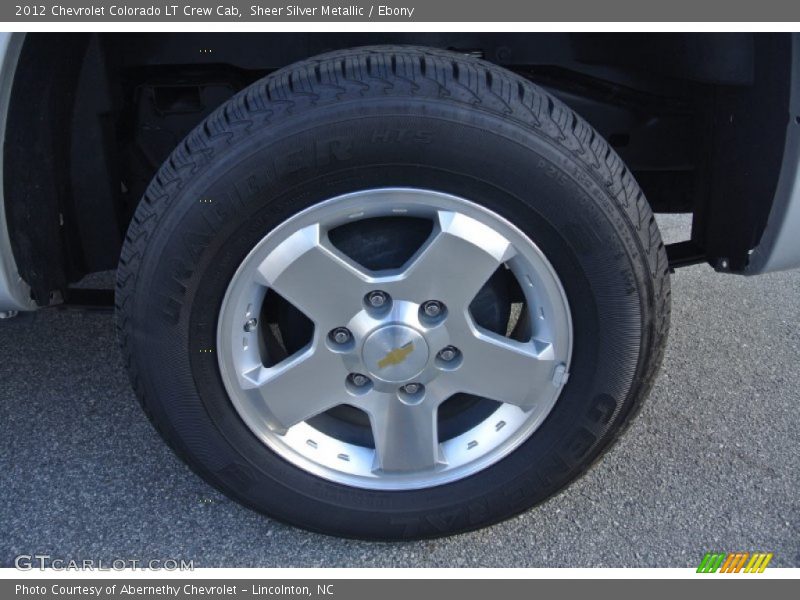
column 241, row 193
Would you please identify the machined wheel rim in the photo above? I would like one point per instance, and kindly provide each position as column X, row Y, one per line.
column 395, row 343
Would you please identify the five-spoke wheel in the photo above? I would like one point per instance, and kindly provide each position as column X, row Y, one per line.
column 391, row 293
column 395, row 343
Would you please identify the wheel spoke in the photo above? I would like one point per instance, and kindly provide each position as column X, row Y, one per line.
column 406, row 437
column 504, row 370
column 300, row 387
column 456, row 261
column 315, row 277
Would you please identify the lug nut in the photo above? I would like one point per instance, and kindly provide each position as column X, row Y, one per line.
column 359, row 380
column 250, row 325
column 432, row 308
column 448, row 353
column 341, row 335
column 377, row 299
column 411, row 388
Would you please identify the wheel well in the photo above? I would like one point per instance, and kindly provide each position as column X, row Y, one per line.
column 699, row 119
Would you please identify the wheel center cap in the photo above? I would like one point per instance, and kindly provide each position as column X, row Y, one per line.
column 395, row 353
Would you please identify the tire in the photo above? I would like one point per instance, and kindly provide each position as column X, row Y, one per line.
column 399, row 118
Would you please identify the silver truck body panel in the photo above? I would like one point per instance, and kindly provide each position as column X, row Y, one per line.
column 14, row 292
column 779, row 248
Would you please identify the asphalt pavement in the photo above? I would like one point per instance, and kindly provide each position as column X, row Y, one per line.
column 712, row 463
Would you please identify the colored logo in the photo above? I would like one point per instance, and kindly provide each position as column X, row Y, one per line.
column 734, row 562
column 396, row 356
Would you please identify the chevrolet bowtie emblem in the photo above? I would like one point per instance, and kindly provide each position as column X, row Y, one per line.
column 396, row 356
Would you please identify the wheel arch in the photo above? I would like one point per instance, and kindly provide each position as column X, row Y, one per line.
column 65, row 212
